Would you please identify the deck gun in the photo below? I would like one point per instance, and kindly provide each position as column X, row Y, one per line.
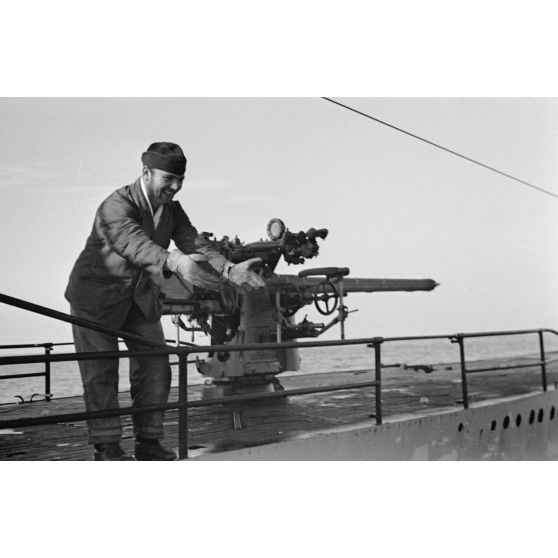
column 268, row 315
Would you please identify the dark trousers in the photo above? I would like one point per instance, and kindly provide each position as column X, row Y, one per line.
column 150, row 379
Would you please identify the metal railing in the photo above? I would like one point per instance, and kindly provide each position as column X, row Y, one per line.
column 46, row 373
column 182, row 405
column 183, row 352
column 48, row 347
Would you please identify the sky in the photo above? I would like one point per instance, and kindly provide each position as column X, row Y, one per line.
column 394, row 206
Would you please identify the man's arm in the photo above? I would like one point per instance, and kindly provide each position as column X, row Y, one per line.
column 187, row 240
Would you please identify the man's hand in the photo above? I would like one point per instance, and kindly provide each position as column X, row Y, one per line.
column 189, row 268
column 244, row 279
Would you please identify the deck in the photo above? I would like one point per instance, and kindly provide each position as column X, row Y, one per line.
column 224, row 427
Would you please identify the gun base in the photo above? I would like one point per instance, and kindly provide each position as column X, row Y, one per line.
column 226, row 387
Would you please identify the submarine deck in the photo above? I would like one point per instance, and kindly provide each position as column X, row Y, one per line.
column 226, row 427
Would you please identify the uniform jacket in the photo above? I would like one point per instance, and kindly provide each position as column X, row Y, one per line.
column 123, row 250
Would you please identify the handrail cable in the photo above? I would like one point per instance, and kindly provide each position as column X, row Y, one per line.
column 507, row 175
column 81, row 322
column 170, row 350
column 65, row 343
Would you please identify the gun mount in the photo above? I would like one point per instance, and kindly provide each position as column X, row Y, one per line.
column 269, row 315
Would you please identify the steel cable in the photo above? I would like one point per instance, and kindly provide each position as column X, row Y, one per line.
column 444, row 148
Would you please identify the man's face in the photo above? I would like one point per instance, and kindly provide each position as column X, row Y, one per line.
column 161, row 186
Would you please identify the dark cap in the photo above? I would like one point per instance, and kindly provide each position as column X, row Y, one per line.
column 165, row 156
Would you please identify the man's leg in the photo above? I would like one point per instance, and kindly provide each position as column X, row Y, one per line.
column 150, row 376
column 100, row 384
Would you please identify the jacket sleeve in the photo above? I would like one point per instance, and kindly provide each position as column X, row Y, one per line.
column 188, row 240
column 119, row 222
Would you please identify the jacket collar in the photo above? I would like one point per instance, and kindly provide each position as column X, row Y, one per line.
column 146, row 197
column 139, row 199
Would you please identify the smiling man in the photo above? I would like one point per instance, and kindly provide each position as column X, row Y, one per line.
column 111, row 285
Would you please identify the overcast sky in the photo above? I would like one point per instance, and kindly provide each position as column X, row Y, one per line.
column 395, row 207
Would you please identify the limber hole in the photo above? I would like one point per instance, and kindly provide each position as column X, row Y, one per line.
column 506, row 422
column 518, row 420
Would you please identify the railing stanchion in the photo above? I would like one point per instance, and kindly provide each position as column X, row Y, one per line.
column 465, row 393
column 183, row 411
column 543, row 361
column 378, row 378
column 48, row 395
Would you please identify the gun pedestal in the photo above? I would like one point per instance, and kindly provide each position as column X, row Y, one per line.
column 241, row 372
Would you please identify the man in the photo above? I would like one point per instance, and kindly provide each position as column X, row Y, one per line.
column 111, row 285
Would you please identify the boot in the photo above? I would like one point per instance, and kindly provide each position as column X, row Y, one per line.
column 152, row 450
column 111, row 452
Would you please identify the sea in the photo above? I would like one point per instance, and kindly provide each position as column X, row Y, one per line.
column 65, row 378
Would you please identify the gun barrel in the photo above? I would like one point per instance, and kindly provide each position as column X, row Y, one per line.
column 357, row 285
